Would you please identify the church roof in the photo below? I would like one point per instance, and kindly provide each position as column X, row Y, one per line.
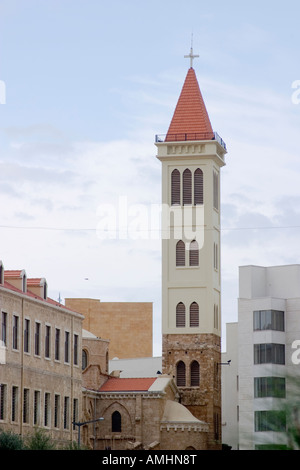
column 190, row 119
column 117, row 384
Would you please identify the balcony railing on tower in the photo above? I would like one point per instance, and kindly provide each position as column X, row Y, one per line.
column 190, row 136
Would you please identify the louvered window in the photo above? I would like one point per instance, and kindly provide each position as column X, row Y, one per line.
column 180, row 315
column 180, row 374
column 195, row 374
column 194, row 315
column 187, row 187
column 198, row 187
column 194, row 253
column 175, row 188
column 180, row 253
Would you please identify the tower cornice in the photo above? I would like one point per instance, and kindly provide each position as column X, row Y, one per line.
column 192, row 150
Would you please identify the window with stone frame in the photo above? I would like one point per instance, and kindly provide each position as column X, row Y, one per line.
column 116, row 422
column 180, row 374
column 195, row 374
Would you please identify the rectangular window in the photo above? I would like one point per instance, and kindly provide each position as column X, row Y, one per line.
column 37, row 408
column 67, row 346
column 4, row 328
column 47, row 410
column 26, row 405
column 270, row 420
column 216, row 190
column 2, row 401
column 75, row 411
column 269, row 387
column 57, row 344
column 76, row 350
column 66, row 412
column 15, row 331
column 27, row 335
column 37, row 339
column 56, row 411
column 268, row 320
column 47, row 340
column 269, row 353
column 14, row 403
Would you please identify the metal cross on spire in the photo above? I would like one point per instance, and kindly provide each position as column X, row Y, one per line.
column 191, row 56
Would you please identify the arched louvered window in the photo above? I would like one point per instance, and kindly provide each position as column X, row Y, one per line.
column 180, row 253
column 187, row 187
column 198, row 187
column 116, row 422
column 180, row 315
column 180, row 374
column 194, row 315
column 194, row 253
column 175, row 188
column 195, row 374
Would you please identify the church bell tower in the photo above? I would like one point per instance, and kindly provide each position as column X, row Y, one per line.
column 192, row 156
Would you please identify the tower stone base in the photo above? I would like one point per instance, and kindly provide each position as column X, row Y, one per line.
column 204, row 399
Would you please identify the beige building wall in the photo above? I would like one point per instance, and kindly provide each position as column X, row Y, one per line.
column 38, row 387
column 127, row 325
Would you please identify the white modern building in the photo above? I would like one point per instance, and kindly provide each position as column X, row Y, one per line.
column 259, row 385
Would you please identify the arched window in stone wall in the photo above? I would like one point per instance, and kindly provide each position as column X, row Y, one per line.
column 195, row 374
column 180, row 374
column 116, row 422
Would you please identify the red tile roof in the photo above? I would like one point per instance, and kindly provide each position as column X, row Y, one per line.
column 28, row 293
column 190, row 120
column 34, row 281
column 13, row 273
column 116, row 384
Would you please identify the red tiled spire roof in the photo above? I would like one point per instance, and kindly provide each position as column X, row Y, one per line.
column 190, row 120
column 117, row 384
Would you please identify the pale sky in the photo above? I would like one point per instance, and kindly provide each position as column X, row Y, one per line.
column 88, row 84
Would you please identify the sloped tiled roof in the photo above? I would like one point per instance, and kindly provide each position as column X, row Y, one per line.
column 190, row 119
column 30, row 294
column 116, row 384
column 35, row 281
column 13, row 273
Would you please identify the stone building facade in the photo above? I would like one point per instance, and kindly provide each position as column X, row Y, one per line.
column 40, row 366
column 136, row 412
column 141, row 413
column 118, row 321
